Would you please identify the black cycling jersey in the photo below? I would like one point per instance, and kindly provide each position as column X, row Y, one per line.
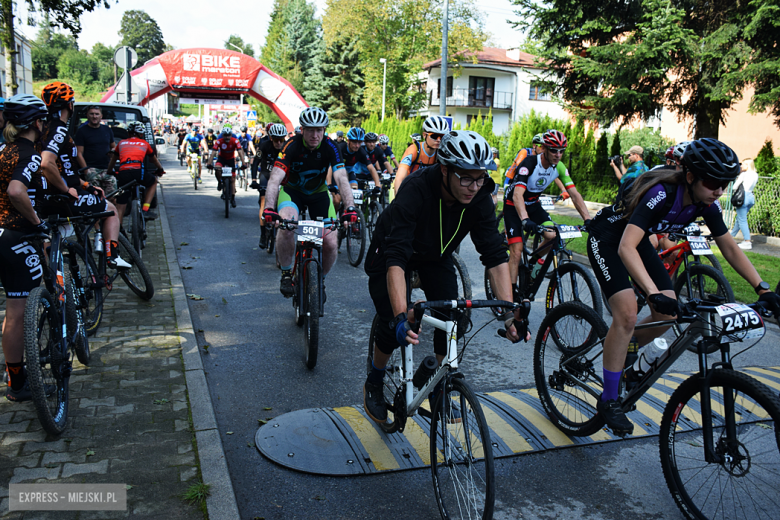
column 58, row 141
column 377, row 156
column 267, row 153
column 18, row 162
column 356, row 163
column 306, row 170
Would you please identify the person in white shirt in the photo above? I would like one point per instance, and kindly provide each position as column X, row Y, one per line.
column 748, row 179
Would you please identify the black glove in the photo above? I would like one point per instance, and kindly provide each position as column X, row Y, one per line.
column 773, row 300
column 665, row 305
column 529, row 225
column 254, row 185
column 209, row 166
column 585, row 225
column 376, row 191
column 43, row 227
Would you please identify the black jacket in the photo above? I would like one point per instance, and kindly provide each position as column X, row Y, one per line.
column 410, row 231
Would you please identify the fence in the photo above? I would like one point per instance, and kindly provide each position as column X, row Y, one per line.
column 764, row 217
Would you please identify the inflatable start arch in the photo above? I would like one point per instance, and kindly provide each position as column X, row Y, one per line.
column 211, row 72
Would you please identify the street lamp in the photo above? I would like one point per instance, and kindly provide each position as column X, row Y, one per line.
column 237, row 47
column 384, row 86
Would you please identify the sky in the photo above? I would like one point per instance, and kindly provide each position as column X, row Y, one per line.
column 205, row 24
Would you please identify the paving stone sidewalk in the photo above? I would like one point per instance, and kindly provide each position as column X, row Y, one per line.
column 129, row 419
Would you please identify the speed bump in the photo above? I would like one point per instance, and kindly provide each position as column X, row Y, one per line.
column 345, row 441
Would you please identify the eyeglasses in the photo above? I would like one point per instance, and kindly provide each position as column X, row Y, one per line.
column 466, row 181
column 435, row 137
column 714, row 184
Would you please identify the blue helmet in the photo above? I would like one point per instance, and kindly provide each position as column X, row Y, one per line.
column 356, row 134
column 2, row 103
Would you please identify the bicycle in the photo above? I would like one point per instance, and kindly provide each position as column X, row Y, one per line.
column 226, row 173
column 193, row 168
column 308, row 280
column 372, row 207
column 733, row 448
column 461, row 452
column 356, row 234
column 241, row 180
column 387, row 184
column 569, row 281
column 135, row 214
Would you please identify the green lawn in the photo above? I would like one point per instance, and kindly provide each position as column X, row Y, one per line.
column 767, row 266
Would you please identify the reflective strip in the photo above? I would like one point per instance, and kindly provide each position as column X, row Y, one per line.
column 419, row 440
column 372, row 442
column 505, row 432
column 548, row 429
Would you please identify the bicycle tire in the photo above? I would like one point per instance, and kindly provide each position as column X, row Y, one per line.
column 704, row 280
column 75, row 317
column 461, row 455
column 356, row 241
column 227, row 191
column 311, row 314
column 392, row 382
column 741, row 487
column 137, row 277
column 93, row 291
column 560, row 368
column 577, row 283
column 374, row 210
column 47, row 371
column 135, row 226
column 194, row 179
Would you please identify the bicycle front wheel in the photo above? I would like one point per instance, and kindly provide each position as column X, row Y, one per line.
column 464, row 290
column 271, row 231
column 743, row 480
column 705, row 281
column 74, row 314
column 47, row 370
column 227, row 191
column 374, row 210
column 568, row 367
column 311, row 314
column 137, row 277
column 577, row 284
column 461, row 455
column 356, row 236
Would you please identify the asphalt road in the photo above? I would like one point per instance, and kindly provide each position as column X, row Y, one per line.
column 255, row 371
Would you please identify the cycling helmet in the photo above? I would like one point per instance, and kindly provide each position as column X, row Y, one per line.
column 227, row 131
column 371, row 137
column 679, row 150
column 136, row 127
column 339, row 133
column 435, row 125
column 669, row 155
column 277, row 130
column 465, row 149
column 416, row 137
column 211, row 130
column 494, row 150
column 554, row 139
column 711, row 158
column 298, row 130
column 2, row 103
column 244, row 128
column 538, row 139
column 383, row 139
column 313, row 117
column 22, row 110
column 57, row 95
column 356, row 134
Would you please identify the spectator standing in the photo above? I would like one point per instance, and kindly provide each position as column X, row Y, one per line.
column 748, row 179
column 636, row 155
column 95, row 143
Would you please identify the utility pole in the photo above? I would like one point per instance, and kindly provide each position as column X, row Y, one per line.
column 384, row 86
column 443, row 81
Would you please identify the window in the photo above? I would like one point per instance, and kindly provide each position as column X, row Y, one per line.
column 481, row 88
column 449, row 87
column 537, row 93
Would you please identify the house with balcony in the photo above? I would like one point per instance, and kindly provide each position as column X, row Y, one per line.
column 502, row 81
column 23, row 67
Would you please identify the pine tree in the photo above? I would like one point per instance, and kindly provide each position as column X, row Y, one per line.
column 345, row 98
column 765, row 160
column 601, row 167
column 615, row 149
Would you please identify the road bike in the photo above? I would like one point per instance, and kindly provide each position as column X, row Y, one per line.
column 193, row 168
column 719, row 437
column 308, row 298
column 461, row 451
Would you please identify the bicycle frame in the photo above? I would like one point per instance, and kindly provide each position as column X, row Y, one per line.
column 551, row 259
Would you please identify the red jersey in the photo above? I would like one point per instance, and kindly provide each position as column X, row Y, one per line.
column 226, row 147
column 132, row 153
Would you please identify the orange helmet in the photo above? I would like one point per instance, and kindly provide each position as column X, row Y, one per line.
column 57, row 95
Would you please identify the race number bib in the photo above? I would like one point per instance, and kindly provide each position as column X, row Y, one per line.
column 358, row 196
column 371, row 184
column 740, row 323
column 546, row 202
column 699, row 245
column 310, row 231
column 692, row 230
column 569, row 231
column 385, row 176
column 227, row 171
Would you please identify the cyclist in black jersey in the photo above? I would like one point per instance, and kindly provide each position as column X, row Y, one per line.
column 265, row 157
column 375, row 154
column 356, row 162
column 384, row 144
column 661, row 201
column 210, row 139
column 301, row 169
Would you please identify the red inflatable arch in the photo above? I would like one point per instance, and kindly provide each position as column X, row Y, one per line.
column 210, row 72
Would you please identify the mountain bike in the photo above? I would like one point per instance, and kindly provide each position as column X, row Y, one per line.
column 193, row 169
column 461, row 450
column 387, row 184
column 372, row 206
column 356, row 234
column 308, row 300
column 241, row 180
column 569, row 281
column 136, row 217
column 226, row 173
column 719, row 437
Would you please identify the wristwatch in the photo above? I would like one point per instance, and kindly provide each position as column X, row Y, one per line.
column 763, row 286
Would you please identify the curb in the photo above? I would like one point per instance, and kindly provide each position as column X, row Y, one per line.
column 221, row 503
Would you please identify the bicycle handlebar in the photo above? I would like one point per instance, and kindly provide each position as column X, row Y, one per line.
column 419, row 307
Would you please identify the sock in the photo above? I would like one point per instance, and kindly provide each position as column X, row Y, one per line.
column 376, row 376
column 611, row 384
column 112, row 246
column 287, row 269
column 146, row 207
column 15, row 375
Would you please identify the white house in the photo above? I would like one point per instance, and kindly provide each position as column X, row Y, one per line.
column 23, row 67
column 502, row 80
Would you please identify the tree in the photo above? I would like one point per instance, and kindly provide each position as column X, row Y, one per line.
column 341, row 65
column 236, row 40
column 765, row 160
column 616, row 148
column 613, row 60
column 141, row 32
column 77, row 66
column 47, row 49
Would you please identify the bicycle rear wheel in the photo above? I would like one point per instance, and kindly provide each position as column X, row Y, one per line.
column 568, row 367
column 577, row 284
column 392, row 381
column 706, row 281
column 461, row 455
column 311, row 314
column 137, row 277
column 47, row 370
column 194, row 174
column 745, row 437
column 356, row 236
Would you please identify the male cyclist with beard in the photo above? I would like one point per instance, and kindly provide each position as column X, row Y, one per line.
column 522, row 209
column 422, row 154
column 225, row 148
column 375, row 153
column 266, row 155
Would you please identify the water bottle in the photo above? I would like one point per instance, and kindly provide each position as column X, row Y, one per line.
column 535, row 271
column 648, row 355
column 425, row 371
column 98, row 242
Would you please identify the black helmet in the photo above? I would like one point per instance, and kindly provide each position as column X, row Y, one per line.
column 711, row 158
column 243, row 128
column 22, row 110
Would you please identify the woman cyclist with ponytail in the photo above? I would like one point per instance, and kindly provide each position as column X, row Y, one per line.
column 661, row 201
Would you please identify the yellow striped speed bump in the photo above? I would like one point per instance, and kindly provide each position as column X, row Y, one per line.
column 345, row 441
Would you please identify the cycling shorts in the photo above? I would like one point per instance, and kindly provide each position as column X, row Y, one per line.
column 319, row 204
column 612, row 274
column 514, row 226
column 224, row 162
column 21, row 269
column 144, row 178
column 85, row 204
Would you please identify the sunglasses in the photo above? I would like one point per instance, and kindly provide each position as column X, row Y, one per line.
column 556, row 151
column 435, row 137
column 714, row 184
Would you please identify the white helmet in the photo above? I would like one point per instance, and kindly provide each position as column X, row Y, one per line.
column 436, row 125
column 465, row 149
column 277, row 130
column 313, row 117
column 137, row 127
column 679, row 150
column 383, row 139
